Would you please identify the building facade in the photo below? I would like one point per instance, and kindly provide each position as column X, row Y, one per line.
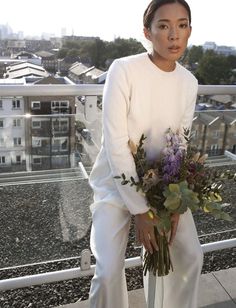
column 12, row 133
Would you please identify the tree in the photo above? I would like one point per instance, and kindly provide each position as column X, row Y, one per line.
column 72, row 55
column 213, row 69
column 194, row 55
column 62, row 53
column 232, row 61
column 96, row 52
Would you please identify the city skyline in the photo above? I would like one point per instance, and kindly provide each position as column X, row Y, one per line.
column 110, row 19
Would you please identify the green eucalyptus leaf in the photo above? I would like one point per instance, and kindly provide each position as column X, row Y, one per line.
column 174, row 188
column 172, row 203
column 226, row 216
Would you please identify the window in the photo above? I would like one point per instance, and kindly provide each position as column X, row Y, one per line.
column 2, row 142
column 36, row 124
column 18, row 159
column 17, row 141
column 214, row 147
column 17, row 122
column 0, row 104
column 36, row 143
column 37, row 161
column 16, row 104
column 216, row 134
column 60, row 125
column 60, row 144
column 59, row 106
column 64, row 104
column 2, row 160
column 35, row 105
column 1, row 123
column 194, row 134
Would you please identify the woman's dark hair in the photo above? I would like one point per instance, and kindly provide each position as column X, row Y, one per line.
column 155, row 5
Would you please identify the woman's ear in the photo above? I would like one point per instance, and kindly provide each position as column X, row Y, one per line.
column 190, row 31
column 147, row 33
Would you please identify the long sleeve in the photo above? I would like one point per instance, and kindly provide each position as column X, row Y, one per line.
column 187, row 119
column 115, row 130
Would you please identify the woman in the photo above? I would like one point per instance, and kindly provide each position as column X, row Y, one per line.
column 145, row 93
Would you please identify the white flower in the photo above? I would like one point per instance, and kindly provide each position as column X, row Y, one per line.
column 150, row 178
column 202, row 159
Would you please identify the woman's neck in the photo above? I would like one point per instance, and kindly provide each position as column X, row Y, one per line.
column 161, row 63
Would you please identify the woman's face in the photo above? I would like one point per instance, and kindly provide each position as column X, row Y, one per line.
column 169, row 32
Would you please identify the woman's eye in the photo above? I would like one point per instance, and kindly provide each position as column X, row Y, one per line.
column 183, row 26
column 163, row 27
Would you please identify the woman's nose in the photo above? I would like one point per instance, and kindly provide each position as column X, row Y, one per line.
column 173, row 35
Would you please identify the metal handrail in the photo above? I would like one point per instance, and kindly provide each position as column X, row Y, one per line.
column 32, row 280
column 92, row 89
column 51, row 90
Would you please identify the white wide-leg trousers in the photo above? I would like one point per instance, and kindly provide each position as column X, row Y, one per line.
column 109, row 236
column 179, row 289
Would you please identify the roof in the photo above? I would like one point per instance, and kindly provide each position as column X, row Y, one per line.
column 102, row 77
column 19, row 81
column 224, row 99
column 78, row 68
column 25, row 55
column 23, row 65
column 208, row 118
column 229, row 117
column 94, row 73
column 50, row 80
column 44, row 54
column 26, row 72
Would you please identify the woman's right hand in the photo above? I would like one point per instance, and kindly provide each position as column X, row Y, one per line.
column 145, row 231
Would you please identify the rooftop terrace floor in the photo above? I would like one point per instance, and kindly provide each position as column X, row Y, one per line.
column 217, row 290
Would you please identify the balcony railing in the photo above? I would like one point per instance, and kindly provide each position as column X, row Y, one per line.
column 51, row 213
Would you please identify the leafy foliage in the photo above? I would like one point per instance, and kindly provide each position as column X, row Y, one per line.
column 100, row 53
column 179, row 181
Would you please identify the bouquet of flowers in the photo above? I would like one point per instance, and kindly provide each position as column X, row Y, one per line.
column 177, row 181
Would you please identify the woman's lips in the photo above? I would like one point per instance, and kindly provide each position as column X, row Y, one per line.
column 174, row 49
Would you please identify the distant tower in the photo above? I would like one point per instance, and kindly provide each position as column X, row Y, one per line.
column 63, row 31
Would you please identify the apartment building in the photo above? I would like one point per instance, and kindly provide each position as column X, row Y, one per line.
column 37, row 132
column 51, row 128
column 12, row 131
column 214, row 132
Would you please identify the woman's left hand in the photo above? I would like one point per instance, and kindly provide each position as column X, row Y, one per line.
column 174, row 225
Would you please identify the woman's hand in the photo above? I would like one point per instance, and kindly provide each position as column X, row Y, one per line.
column 145, row 231
column 174, row 225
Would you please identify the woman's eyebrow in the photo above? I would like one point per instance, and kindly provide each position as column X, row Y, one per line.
column 168, row 20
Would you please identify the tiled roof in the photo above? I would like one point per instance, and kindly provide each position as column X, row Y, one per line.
column 208, row 118
column 222, row 98
column 78, row 68
column 26, row 72
column 94, row 73
column 24, row 65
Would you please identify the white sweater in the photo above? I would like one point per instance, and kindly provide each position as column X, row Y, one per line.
column 138, row 98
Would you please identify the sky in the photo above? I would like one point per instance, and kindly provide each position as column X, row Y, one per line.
column 213, row 20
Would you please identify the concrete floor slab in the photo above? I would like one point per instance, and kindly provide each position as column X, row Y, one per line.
column 211, row 292
column 227, row 278
column 217, row 290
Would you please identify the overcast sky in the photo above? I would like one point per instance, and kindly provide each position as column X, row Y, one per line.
column 213, row 20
